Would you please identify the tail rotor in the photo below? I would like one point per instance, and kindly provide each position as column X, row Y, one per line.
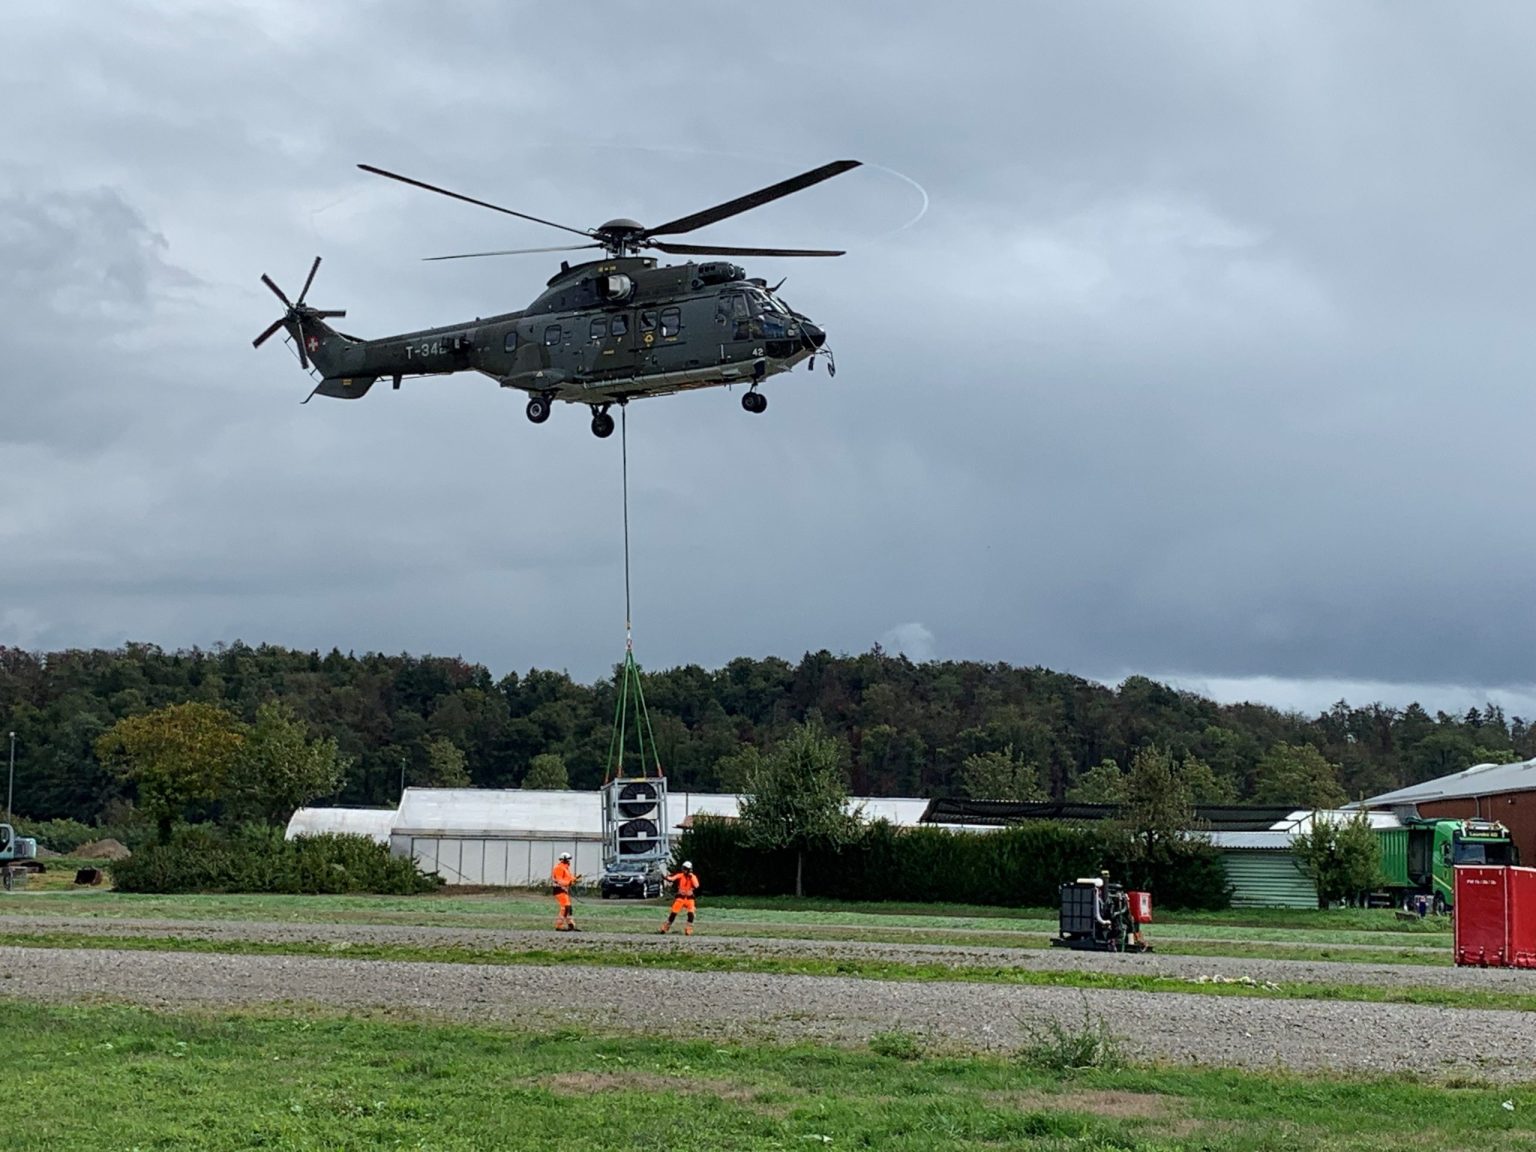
column 297, row 312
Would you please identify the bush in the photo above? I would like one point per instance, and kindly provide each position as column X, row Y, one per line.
column 1060, row 1049
column 1022, row 866
column 261, row 860
column 896, row 1045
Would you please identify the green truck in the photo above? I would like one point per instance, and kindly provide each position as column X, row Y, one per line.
column 1418, row 857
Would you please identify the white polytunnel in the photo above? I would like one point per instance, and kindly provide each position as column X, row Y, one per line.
column 512, row 837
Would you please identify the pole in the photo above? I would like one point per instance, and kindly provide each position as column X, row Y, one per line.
column 402, row 778
column 10, row 786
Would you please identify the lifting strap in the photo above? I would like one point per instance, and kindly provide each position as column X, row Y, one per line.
column 631, row 694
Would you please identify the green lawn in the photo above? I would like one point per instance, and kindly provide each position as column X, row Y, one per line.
column 101, row 1077
column 1377, row 927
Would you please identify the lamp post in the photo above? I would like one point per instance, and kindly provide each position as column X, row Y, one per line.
column 10, row 785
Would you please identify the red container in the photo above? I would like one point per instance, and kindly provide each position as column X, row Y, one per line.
column 1141, row 906
column 1481, row 915
column 1520, row 946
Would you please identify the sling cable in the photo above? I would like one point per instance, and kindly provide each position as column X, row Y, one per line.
column 635, row 828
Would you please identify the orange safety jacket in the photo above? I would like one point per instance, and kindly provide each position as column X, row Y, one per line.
column 687, row 884
column 562, row 877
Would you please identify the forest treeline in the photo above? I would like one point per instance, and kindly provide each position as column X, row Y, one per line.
column 941, row 728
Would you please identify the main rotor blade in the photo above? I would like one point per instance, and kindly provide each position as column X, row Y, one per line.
column 468, row 199
column 267, row 280
column 298, row 323
column 719, row 250
column 262, row 339
column 326, row 315
column 310, row 279
column 515, row 252
column 753, row 199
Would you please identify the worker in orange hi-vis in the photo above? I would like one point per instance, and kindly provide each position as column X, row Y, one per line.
column 562, row 879
column 687, row 882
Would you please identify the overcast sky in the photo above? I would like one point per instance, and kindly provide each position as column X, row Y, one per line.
column 1211, row 357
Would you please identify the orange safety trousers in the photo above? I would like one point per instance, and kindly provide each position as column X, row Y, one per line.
column 682, row 904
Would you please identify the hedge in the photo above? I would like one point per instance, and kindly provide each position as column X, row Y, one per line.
column 261, row 860
column 1022, row 866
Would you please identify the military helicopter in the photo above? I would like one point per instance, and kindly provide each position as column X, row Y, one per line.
column 603, row 332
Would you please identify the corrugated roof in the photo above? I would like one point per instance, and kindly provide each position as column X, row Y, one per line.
column 1478, row 780
column 372, row 822
column 1232, row 817
column 1251, row 841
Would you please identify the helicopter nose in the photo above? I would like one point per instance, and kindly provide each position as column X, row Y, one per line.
column 815, row 337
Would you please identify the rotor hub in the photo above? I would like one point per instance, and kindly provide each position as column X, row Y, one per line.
column 621, row 236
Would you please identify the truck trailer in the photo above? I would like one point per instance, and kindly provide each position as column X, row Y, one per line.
column 1419, row 858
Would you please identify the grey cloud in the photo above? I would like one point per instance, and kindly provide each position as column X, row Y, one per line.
column 1210, row 358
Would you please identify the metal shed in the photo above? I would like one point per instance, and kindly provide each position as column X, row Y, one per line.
column 1263, row 871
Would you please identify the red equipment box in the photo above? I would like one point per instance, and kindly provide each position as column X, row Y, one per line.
column 1495, row 916
column 1141, row 907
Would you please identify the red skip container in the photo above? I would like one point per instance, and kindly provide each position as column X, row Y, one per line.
column 1495, row 916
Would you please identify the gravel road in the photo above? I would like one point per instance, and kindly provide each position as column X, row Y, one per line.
column 1261, row 970
column 1250, row 1032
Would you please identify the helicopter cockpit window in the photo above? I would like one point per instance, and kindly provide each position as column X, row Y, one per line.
column 731, row 306
column 765, row 305
column 619, row 325
column 599, row 328
column 671, row 321
column 510, row 343
column 552, row 335
column 647, row 321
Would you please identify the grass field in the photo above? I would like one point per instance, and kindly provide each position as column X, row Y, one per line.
column 89, row 1078
column 54, row 894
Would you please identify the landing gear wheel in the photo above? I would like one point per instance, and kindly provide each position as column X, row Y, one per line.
column 755, row 402
column 1438, row 905
column 602, row 425
column 538, row 409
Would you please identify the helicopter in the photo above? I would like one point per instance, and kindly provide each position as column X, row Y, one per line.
column 603, row 332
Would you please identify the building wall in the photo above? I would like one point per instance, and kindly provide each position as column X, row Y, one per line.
column 1515, row 810
column 511, row 862
column 1267, row 879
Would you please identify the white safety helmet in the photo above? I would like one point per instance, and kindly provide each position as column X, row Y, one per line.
column 688, row 865
column 565, row 855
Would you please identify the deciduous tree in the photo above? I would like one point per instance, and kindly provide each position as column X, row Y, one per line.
column 446, row 765
column 797, row 797
column 1297, row 774
column 1000, row 775
column 546, row 772
column 1343, row 858
column 177, row 756
column 279, row 768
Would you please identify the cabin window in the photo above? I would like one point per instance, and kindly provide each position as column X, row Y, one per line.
column 552, row 335
column 599, row 328
column 510, row 343
column 619, row 325
column 647, row 321
column 671, row 321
